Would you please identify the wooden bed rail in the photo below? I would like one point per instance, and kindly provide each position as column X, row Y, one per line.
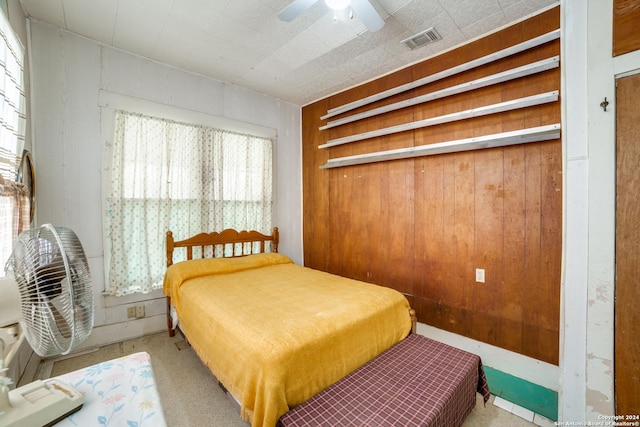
column 414, row 320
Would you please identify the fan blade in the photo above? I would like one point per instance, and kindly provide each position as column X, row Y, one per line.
column 294, row 9
column 367, row 14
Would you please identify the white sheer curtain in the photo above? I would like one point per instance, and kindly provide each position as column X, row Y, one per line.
column 14, row 197
column 168, row 175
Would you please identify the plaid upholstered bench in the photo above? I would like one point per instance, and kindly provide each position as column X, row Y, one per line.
column 417, row 382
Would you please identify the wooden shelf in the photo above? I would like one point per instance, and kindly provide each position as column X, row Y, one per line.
column 523, row 136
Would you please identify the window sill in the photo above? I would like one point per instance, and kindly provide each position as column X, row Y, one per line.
column 112, row 301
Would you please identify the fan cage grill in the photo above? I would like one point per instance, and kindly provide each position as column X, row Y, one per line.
column 56, row 296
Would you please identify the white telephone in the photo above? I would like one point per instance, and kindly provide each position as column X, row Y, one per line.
column 40, row 403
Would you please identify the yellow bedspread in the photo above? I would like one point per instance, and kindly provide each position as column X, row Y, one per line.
column 275, row 333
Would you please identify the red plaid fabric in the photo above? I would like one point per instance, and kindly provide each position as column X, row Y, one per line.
column 417, row 382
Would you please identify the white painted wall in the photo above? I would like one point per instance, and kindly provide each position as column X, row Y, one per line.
column 589, row 73
column 575, row 228
column 68, row 75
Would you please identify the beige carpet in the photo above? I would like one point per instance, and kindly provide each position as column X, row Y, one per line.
column 190, row 394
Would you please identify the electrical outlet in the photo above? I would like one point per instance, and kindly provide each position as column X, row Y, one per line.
column 135, row 312
column 480, row 275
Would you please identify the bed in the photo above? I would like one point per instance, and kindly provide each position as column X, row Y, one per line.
column 272, row 332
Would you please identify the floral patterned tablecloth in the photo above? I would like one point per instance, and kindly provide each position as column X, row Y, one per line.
column 119, row 392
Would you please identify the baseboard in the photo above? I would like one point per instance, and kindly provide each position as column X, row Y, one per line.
column 123, row 331
column 523, row 393
column 524, row 381
column 524, row 367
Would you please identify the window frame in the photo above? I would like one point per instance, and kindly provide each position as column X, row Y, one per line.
column 14, row 124
column 109, row 103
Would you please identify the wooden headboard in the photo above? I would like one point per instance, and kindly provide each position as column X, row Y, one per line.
column 232, row 242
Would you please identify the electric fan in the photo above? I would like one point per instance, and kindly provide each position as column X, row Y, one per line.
column 56, row 298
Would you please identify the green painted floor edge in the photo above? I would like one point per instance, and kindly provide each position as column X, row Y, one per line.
column 523, row 393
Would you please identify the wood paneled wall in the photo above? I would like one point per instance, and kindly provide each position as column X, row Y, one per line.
column 627, row 291
column 424, row 225
column 626, row 17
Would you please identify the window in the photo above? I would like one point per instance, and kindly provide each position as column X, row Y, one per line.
column 14, row 197
column 170, row 175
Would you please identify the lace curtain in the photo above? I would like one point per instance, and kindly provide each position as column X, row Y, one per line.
column 14, row 197
column 168, row 175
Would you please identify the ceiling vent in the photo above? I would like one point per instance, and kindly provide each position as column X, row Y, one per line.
column 422, row 38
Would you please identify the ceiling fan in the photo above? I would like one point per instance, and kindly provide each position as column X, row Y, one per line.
column 362, row 8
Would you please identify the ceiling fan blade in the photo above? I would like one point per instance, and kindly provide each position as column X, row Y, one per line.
column 294, row 9
column 367, row 14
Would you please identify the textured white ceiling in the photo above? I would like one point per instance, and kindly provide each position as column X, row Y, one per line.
column 243, row 42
